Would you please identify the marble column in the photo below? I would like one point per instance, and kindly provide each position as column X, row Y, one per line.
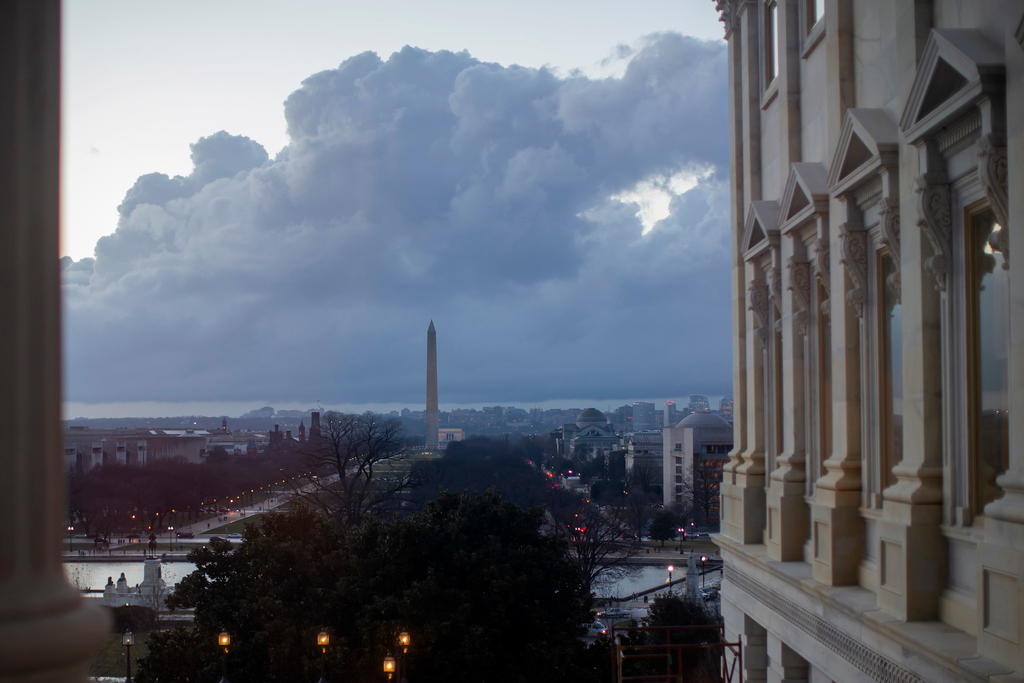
column 911, row 548
column 837, row 530
column 755, row 651
column 787, row 510
column 748, row 490
column 744, row 175
column 47, row 632
column 784, row 664
column 1001, row 554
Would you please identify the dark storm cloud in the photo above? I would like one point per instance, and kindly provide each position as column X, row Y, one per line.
column 429, row 185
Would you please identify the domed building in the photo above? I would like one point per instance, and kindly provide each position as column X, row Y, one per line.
column 591, row 435
column 695, row 450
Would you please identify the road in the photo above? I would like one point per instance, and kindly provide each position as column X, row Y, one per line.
column 200, row 529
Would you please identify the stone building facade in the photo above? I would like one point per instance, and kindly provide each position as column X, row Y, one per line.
column 873, row 503
column 696, row 450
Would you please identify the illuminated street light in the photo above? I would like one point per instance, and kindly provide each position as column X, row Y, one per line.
column 323, row 639
column 127, row 640
column 404, row 641
column 224, row 643
column 389, row 666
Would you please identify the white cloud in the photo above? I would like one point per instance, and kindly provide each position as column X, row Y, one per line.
column 513, row 206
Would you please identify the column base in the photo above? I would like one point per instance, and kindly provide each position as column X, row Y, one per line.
column 786, row 527
column 912, row 561
column 49, row 640
column 837, row 540
column 1001, row 594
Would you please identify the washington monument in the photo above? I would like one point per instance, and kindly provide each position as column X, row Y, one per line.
column 431, row 435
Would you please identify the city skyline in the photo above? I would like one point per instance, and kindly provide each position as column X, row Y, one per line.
column 152, row 409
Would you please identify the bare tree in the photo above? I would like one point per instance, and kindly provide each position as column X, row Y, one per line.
column 596, row 541
column 707, row 477
column 358, row 466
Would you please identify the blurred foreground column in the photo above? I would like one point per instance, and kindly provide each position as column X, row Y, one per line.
column 47, row 632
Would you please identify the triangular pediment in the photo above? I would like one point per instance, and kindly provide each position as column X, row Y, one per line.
column 762, row 226
column 857, row 154
column 806, row 185
column 869, row 139
column 956, row 67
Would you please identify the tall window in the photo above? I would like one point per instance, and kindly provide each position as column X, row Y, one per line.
column 988, row 303
column 815, row 12
column 891, row 384
column 771, row 41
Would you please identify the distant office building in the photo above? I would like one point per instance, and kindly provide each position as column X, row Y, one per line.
column 85, row 449
column 725, row 407
column 699, row 403
column 671, row 414
column 644, row 416
column 694, row 452
column 622, row 418
column 643, row 451
column 447, row 435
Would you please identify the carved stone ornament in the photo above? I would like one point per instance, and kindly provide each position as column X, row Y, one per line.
column 775, row 288
column 889, row 223
column 727, row 11
column 757, row 295
column 821, row 263
column 936, row 221
column 854, row 247
column 800, row 285
column 992, row 173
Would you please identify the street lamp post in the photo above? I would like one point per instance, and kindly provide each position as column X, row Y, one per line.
column 224, row 642
column 323, row 639
column 70, row 529
column 703, row 559
column 170, row 537
column 128, row 639
column 389, row 666
column 404, row 641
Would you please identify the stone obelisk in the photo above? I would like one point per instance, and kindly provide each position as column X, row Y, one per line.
column 431, row 429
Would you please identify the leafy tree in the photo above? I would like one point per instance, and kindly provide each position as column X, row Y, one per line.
column 674, row 610
column 617, row 465
column 480, row 464
column 483, row 592
column 664, row 526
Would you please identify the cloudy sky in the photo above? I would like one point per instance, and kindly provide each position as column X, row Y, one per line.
column 268, row 202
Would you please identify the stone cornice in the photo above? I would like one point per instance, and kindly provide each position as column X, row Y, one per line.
column 874, row 665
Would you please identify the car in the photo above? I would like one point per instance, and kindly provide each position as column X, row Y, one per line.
column 235, row 535
column 216, row 538
column 185, row 534
column 596, row 628
column 709, row 594
column 615, row 613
